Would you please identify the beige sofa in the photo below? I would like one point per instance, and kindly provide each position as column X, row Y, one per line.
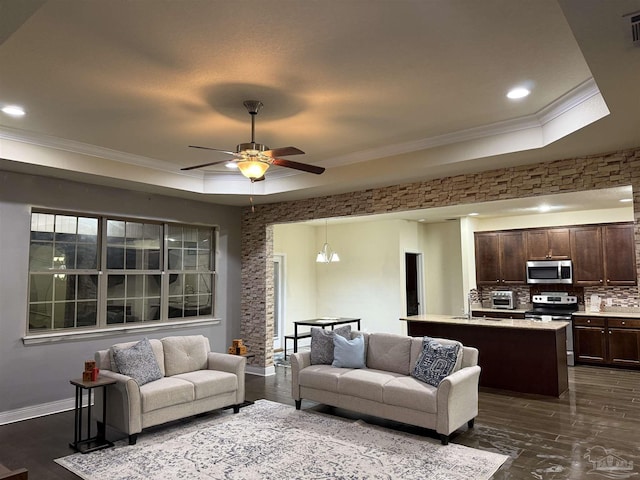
column 194, row 380
column 385, row 388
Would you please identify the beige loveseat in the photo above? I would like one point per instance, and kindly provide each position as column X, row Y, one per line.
column 194, row 380
column 386, row 389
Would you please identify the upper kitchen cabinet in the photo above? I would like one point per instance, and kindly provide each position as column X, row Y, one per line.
column 548, row 244
column 500, row 258
column 618, row 250
column 603, row 255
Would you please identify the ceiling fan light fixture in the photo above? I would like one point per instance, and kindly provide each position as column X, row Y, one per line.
column 252, row 169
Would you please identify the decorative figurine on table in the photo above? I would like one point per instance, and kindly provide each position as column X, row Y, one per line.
column 237, row 348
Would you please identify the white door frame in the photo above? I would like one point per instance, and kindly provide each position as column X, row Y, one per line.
column 279, row 262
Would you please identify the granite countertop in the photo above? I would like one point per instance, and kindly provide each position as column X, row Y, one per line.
column 611, row 314
column 488, row 322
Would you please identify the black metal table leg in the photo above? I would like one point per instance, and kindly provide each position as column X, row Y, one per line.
column 89, row 444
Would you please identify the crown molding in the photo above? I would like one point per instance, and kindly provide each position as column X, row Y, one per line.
column 73, row 146
column 557, row 108
column 570, row 100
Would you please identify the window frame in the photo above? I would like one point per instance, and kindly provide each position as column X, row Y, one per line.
column 102, row 327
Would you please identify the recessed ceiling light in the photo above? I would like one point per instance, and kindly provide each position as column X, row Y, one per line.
column 232, row 165
column 474, row 214
column 625, row 200
column 14, row 110
column 544, row 208
column 518, row 92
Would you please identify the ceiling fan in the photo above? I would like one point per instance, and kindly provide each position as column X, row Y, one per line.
column 253, row 159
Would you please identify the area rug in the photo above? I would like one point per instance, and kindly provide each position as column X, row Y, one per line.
column 269, row 440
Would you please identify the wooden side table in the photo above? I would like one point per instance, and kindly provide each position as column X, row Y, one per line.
column 89, row 443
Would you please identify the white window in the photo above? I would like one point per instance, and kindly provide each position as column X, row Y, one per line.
column 88, row 272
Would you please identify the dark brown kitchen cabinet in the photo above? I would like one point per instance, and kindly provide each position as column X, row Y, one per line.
column 500, row 258
column 607, row 341
column 624, row 341
column 487, row 248
column 589, row 340
column 618, row 251
column 548, row 244
column 603, row 255
column 586, row 249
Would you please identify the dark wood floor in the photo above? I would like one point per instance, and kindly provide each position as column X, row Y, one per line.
column 545, row 438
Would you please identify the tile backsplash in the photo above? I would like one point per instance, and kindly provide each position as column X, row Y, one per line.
column 621, row 299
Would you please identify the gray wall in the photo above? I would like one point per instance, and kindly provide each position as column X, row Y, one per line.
column 39, row 374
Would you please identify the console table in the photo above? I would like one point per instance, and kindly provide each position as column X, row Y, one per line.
column 89, row 444
column 315, row 322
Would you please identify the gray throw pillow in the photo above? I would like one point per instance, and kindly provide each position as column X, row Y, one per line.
column 322, row 343
column 348, row 353
column 138, row 362
column 435, row 362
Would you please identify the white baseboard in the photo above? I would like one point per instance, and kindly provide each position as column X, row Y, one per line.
column 41, row 410
column 261, row 371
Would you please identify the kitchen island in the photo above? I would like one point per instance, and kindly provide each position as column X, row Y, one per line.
column 519, row 355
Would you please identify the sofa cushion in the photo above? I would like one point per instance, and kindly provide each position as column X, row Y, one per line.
column 209, row 383
column 321, row 377
column 365, row 383
column 348, row 353
column 417, row 347
column 410, row 393
column 156, row 346
column 390, row 352
column 436, row 361
column 322, row 343
column 166, row 392
column 185, row 354
column 137, row 362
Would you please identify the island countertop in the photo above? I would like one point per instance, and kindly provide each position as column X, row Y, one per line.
column 515, row 354
column 487, row 322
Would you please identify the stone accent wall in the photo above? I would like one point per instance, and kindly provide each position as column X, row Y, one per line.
column 560, row 176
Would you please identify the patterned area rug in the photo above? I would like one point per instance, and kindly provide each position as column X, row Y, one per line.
column 269, row 440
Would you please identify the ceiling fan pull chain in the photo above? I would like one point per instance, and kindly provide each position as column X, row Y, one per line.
column 253, row 208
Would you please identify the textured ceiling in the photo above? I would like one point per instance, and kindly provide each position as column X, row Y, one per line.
column 377, row 92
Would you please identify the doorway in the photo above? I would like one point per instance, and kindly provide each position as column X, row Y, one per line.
column 278, row 302
column 413, row 283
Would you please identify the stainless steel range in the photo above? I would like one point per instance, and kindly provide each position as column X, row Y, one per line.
column 555, row 306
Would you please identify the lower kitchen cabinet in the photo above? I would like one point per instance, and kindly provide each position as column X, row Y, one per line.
column 624, row 341
column 607, row 341
column 589, row 340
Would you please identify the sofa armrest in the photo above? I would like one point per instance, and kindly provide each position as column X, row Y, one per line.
column 123, row 403
column 299, row 361
column 235, row 364
column 457, row 399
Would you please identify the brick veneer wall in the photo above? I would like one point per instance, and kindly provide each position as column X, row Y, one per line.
column 560, row 176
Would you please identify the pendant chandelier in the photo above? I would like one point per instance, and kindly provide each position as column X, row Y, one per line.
column 326, row 254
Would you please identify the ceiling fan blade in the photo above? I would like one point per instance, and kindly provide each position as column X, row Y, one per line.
column 283, row 152
column 205, row 165
column 214, row 149
column 298, row 166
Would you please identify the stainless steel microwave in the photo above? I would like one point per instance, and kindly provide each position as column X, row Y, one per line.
column 549, row 271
